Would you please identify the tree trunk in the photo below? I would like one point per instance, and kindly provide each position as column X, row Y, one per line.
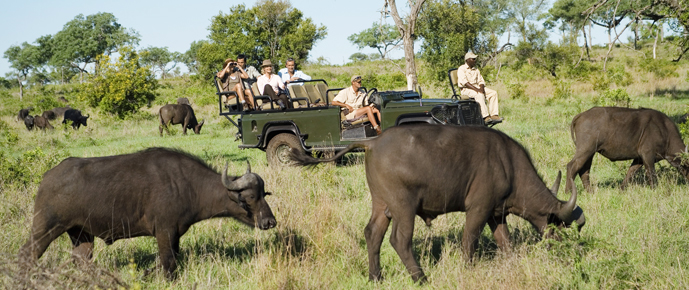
column 586, row 43
column 655, row 44
column 21, row 89
column 407, row 32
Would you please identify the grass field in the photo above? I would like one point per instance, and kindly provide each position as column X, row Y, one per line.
column 637, row 238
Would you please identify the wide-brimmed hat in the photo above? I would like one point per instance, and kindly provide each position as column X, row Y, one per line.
column 354, row 77
column 470, row 55
column 266, row 63
column 227, row 61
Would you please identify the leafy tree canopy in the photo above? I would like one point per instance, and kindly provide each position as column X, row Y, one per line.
column 270, row 30
column 158, row 59
column 383, row 37
column 84, row 38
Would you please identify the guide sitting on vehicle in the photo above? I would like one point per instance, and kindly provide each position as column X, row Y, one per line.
column 351, row 100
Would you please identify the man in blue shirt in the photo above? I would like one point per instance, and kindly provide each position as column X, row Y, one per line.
column 290, row 73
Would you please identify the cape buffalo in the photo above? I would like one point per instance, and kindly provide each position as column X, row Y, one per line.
column 42, row 123
column 183, row 101
column 179, row 114
column 429, row 170
column 49, row 115
column 29, row 122
column 60, row 111
column 75, row 116
column 644, row 135
column 23, row 113
column 156, row 192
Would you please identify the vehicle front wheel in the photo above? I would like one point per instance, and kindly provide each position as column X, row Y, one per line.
column 278, row 149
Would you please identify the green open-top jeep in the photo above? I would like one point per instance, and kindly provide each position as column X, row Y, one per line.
column 316, row 125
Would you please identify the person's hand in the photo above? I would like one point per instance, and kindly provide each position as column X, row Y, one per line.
column 350, row 108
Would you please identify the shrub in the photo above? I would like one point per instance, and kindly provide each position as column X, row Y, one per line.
column 563, row 89
column 600, row 82
column 620, row 76
column 28, row 168
column 517, row 91
column 122, row 87
column 614, row 98
column 661, row 68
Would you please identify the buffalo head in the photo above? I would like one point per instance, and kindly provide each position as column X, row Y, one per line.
column 248, row 191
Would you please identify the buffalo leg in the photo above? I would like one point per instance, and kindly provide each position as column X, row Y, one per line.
column 41, row 237
column 168, row 248
column 636, row 164
column 584, row 174
column 476, row 221
column 401, row 240
column 580, row 165
column 374, row 232
column 498, row 225
column 83, row 244
column 649, row 162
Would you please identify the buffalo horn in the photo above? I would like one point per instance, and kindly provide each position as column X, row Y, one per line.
column 229, row 185
column 202, row 120
column 567, row 209
column 556, row 185
column 234, row 185
column 248, row 167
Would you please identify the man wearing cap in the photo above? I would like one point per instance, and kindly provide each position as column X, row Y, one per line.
column 351, row 99
column 474, row 86
column 271, row 85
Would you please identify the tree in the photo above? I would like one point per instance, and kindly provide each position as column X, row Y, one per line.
column 83, row 39
column 158, row 58
column 406, row 28
column 23, row 59
column 358, row 56
column 272, row 29
column 449, row 29
column 190, row 57
column 383, row 37
column 122, row 87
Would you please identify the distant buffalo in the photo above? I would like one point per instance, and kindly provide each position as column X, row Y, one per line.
column 49, row 115
column 23, row 113
column 63, row 100
column 29, row 122
column 42, row 123
column 183, row 101
column 75, row 116
column 172, row 114
column 643, row 135
column 60, row 111
column 157, row 192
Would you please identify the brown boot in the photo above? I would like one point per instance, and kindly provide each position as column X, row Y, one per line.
column 378, row 130
column 487, row 120
column 496, row 119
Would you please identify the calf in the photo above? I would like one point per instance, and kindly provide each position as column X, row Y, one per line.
column 644, row 135
column 42, row 122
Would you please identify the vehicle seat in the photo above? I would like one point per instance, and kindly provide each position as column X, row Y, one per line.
column 298, row 96
column 262, row 102
column 228, row 98
column 314, row 95
column 350, row 123
column 453, row 84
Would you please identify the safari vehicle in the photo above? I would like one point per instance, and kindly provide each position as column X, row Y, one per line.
column 315, row 125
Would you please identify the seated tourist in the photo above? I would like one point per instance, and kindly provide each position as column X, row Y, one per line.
column 290, row 73
column 351, row 99
column 271, row 85
column 231, row 78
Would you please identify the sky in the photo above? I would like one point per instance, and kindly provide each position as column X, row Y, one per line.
column 175, row 24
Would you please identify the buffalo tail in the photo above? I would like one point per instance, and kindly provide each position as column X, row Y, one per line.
column 301, row 158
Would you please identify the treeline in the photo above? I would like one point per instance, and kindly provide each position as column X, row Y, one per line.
column 273, row 29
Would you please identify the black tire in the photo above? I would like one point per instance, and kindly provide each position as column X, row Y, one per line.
column 279, row 147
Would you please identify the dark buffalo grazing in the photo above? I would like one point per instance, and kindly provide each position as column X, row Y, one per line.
column 183, row 101
column 156, row 192
column 75, row 116
column 172, row 114
column 23, row 113
column 29, row 122
column 643, row 135
column 49, row 115
column 42, row 123
column 63, row 100
column 429, row 170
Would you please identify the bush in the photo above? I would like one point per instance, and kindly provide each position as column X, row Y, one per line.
column 563, row 89
column 517, row 91
column 661, row 68
column 122, row 87
column 28, row 168
column 614, row 98
column 620, row 76
column 600, row 82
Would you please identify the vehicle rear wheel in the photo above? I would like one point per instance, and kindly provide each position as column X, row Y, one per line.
column 278, row 149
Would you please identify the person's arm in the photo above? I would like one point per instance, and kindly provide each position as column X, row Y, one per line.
column 261, row 82
column 301, row 75
column 244, row 75
column 280, row 83
column 223, row 71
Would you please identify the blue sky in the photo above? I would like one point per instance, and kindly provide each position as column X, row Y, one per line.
column 175, row 24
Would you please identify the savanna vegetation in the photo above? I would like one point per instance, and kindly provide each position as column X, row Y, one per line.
column 636, row 238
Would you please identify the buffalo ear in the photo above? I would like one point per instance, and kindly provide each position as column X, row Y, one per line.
column 268, row 193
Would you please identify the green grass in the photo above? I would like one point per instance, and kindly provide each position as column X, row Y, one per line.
column 635, row 238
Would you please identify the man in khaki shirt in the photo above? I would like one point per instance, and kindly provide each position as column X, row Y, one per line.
column 473, row 85
column 351, row 98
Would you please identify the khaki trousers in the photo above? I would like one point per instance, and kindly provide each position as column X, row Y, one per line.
column 491, row 95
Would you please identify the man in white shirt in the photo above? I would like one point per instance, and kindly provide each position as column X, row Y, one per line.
column 290, row 73
column 473, row 85
column 351, row 99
